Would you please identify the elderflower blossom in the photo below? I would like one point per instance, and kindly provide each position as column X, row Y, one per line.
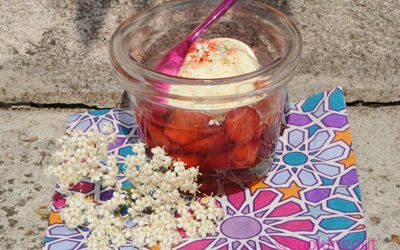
column 75, row 212
column 154, row 204
column 82, row 156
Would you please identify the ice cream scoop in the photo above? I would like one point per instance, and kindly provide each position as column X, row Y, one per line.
column 216, row 58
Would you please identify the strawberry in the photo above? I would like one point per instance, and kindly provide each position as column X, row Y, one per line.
column 157, row 113
column 261, row 129
column 244, row 155
column 211, row 144
column 188, row 120
column 241, row 124
column 189, row 160
column 171, row 146
column 214, row 130
column 214, row 162
column 271, row 132
column 154, row 135
column 182, row 137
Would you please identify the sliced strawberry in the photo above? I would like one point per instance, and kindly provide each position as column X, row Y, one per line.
column 271, row 132
column 189, row 160
column 159, row 115
column 154, row 135
column 214, row 162
column 241, row 124
column 214, row 130
column 188, row 120
column 183, row 137
column 261, row 129
column 156, row 113
column 171, row 146
column 244, row 155
column 211, row 144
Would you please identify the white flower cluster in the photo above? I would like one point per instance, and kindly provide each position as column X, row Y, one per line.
column 105, row 223
column 157, row 202
column 84, row 155
column 155, row 211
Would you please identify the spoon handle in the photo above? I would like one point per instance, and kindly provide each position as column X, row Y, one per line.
column 171, row 63
column 221, row 9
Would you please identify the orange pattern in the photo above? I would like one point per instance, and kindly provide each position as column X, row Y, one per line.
column 343, row 136
column 156, row 247
column 350, row 160
column 292, row 191
column 258, row 184
column 360, row 227
column 55, row 218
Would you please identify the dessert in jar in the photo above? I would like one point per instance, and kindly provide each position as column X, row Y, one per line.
column 229, row 143
column 223, row 112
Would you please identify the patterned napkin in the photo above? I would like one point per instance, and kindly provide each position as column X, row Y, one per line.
column 309, row 200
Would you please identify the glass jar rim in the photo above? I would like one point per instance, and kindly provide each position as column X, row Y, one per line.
column 126, row 65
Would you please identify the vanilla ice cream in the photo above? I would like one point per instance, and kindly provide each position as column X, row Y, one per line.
column 212, row 59
column 218, row 58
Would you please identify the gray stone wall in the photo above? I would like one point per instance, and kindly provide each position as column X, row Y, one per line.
column 55, row 51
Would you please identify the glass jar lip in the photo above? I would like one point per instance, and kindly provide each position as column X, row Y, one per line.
column 291, row 54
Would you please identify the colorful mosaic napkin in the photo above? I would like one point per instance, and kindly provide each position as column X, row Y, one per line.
column 309, row 200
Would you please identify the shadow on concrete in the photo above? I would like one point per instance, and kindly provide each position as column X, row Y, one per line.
column 144, row 4
column 282, row 5
column 90, row 15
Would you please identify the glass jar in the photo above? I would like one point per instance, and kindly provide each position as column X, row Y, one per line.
column 231, row 135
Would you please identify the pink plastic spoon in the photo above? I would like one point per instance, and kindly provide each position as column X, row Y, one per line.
column 172, row 62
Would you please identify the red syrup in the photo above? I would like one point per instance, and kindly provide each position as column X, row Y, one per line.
column 230, row 155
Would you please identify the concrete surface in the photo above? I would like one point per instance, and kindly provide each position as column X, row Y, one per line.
column 54, row 54
column 25, row 193
column 376, row 139
column 60, row 54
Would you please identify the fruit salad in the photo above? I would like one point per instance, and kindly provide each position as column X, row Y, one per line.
column 232, row 145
